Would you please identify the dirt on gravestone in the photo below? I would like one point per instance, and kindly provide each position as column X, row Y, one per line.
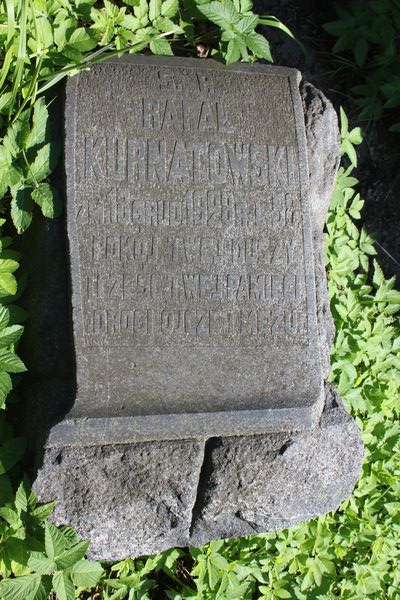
column 378, row 156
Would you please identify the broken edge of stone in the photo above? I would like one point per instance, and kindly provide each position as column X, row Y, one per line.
column 143, row 498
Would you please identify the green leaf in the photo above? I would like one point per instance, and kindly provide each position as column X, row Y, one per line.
column 11, row 452
column 8, row 283
column 42, row 512
column 24, row 498
column 47, row 197
column 233, row 52
column 39, row 134
column 20, row 588
column 4, row 317
column 154, row 9
column 17, row 134
column 8, row 265
column 5, row 102
column 222, row 14
column 5, row 386
column 10, row 362
column 360, row 51
column 130, row 22
column 44, row 162
column 45, row 31
column 247, row 24
column 63, row 586
column 166, row 25
column 169, row 8
column 259, row 45
column 86, row 573
column 54, row 541
column 39, row 563
column 161, row 46
column 21, row 209
column 72, row 555
column 10, row 335
column 344, row 123
column 83, row 39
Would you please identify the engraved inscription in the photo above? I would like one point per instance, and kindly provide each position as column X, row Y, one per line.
column 194, row 236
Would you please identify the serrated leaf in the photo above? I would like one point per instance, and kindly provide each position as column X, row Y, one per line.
column 4, row 316
column 39, row 563
column 21, row 588
column 63, row 586
column 10, row 362
column 8, row 284
column 44, row 31
column 24, row 496
column 222, row 14
column 5, row 386
column 83, row 39
column 130, row 22
column 8, row 266
column 169, row 8
column 86, row 573
column 10, row 516
column 42, row 512
column 247, row 24
column 10, row 335
column 54, row 541
column 16, row 135
column 11, row 452
column 21, row 209
column 161, row 47
column 154, row 9
column 72, row 555
column 141, row 9
column 43, row 163
column 233, row 52
column 166, row 25
column 40, row 132
column 47, row 197
column 63, row 29
column 5, row 102
column 70, row 536
column 259, row 45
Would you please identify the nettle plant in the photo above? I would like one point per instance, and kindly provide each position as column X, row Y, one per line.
column 367, row 46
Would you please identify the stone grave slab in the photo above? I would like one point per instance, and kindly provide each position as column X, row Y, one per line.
column 192, row 267
column 197, row 407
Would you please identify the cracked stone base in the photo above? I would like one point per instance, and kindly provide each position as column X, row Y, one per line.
column 139, row 499
column 135, row 499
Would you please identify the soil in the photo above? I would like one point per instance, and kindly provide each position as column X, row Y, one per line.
column 379, row 155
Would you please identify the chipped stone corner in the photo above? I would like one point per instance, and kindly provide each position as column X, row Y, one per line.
column 265, row 483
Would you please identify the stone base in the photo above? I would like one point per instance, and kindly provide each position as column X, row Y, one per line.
column 142, row 498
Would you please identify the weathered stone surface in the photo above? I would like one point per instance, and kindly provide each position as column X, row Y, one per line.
column 135, row 499
column 143, row 498
column 191, row 251
column 262, row 483
column 322, row 134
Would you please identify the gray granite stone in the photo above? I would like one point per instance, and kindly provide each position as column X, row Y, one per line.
column 322, row 134
column 135, row 499
column 191, row 251
column 132, row 494
column 262, row 483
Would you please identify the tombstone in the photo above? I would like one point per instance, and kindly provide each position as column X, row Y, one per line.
column 195, row 201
